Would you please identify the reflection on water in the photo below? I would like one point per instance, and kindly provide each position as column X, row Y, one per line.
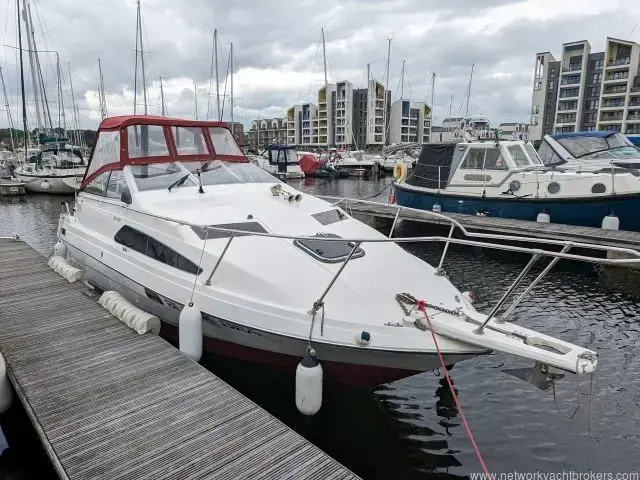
column 411, row 428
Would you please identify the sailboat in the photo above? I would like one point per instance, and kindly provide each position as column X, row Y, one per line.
column 53, row 167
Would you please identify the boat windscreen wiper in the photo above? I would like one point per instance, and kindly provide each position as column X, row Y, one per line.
column 179, row 182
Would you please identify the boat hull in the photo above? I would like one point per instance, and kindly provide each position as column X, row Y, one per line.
column 59, row 185
column 587, row 212
column 343, row 364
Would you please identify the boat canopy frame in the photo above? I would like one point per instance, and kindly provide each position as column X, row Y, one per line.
column 119, row 127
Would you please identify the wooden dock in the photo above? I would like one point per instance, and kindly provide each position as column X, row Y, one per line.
column 555, row 231
column 10, row 188
column 109, row 403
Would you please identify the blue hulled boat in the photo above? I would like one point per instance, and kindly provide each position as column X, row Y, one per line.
column 508, row 179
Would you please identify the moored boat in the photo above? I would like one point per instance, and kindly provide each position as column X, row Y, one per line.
column 271, row 270
column 508, row 179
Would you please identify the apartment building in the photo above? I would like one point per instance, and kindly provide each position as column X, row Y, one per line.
column 343, row 114
column 326, row 108
column 409, row 122
column 620, row 93
column 587, row 90
column 302, row 124
column 265, row 132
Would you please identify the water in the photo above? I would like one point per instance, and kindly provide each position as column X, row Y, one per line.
column 411, row 428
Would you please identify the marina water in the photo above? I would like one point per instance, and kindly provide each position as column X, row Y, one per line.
column 411, row 428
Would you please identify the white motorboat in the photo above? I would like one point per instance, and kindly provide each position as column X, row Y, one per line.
column 52, row 170
column 280, row 161
column 271, row 270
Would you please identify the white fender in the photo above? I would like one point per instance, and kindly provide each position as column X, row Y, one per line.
column 64, row 269
column 132, row 316
column 309, row 384
column 60, row 250
column 190, row 332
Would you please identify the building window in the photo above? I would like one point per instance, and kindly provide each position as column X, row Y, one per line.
column 592, row 104
column 598, row 64
column 538, row 86
column 596, row 78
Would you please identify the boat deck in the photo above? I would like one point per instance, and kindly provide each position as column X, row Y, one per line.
column 109, row 403
column 556, row 231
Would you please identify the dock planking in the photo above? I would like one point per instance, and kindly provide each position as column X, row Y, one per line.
column 110, row 403
column 555, row 231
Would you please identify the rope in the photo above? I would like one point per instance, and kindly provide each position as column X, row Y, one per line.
column 422, row 306
column 379, row 193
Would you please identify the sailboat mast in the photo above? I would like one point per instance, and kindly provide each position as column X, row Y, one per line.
column 32, row 66
column 101, row 95
column 386, row 89
column 74, row 107
column 135, row 70
column 195, row 101
column 402, row 82
column 6, row 103
column 45, row 103
column 324, row 58
column 433, row 86
column 215, row 52
column 466, row 114
column 162, row 105
column 144, row 78
column 231, row 71
column 22, row 91
column 61, row 112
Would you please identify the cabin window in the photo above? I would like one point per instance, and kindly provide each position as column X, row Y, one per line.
column 484, row 159
column 98, row 185
column 514, row 186
column 156, row 176
column 474, row 159
column 548, row 155
column 116, row 184
column 189, row 141
column 223, row 142
column 147, row 141
column 152, row 248
column 598, row 188
column 518, row 155
column 494, row 160
column 329, row 217
column 553, row 187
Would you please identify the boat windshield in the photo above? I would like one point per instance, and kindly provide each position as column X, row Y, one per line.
column 156, row 176
column 533, row 155
column 220, row 173
column 620, row 153
column 582, row 146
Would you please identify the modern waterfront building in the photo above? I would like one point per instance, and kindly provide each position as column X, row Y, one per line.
column 302, row 124
column 586, row 90
column 409, row 122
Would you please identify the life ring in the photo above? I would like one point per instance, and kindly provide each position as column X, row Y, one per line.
column 400, row 172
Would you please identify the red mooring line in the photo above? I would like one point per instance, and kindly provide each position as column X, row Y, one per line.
column 422, row 306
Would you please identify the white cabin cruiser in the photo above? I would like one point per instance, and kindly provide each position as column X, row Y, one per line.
column 52, row 170
column 280, row 161
column 270, row 269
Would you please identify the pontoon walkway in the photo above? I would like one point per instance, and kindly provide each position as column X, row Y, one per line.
column 109, row 403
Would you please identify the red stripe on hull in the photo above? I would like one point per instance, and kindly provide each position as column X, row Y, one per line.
column 336, row 372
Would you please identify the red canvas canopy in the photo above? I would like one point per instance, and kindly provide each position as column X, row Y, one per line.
column 147, row 139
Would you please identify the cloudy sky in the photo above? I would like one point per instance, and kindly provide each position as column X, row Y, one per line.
column 278, row 54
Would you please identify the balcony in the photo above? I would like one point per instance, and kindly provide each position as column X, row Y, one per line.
column 635, row 102
column 619, row 62
column 609, row 104
column 608, row 118
column 616, row 77
column 633, row 129
column 572, row 67
column 633, row 116
column 572, row 107
column 568, row 81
